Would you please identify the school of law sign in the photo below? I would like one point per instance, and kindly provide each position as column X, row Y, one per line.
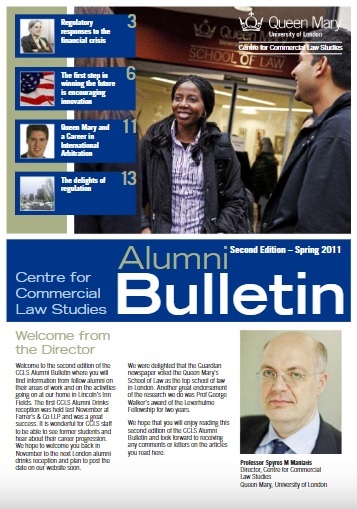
column 212, row 42
column 225, row 49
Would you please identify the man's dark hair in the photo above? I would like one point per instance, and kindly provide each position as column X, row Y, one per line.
column 340, row 64
column 32, row 127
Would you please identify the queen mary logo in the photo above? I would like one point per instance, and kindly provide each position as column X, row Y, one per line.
column 251, row 24
column 204, row 30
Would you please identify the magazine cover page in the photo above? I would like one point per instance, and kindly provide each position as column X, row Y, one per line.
column 178, row 289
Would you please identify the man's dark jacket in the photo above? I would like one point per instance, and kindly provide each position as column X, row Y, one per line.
column 253, row 429
column 313, row 194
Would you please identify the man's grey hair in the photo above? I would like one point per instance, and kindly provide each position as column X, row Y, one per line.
column 321, row 356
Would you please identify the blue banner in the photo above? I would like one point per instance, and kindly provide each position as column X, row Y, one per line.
column 75, row 88
column 66, row 193
column 81, row 35
column 179, row 280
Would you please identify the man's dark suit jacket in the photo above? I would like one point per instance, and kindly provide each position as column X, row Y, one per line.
column 253, row 429
column 25, row 156
column 28, row 44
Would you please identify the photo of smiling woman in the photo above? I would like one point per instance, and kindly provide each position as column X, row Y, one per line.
column 182, row 192
column 34, row 42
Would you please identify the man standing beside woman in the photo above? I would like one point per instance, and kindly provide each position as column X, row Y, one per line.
column 313, row 193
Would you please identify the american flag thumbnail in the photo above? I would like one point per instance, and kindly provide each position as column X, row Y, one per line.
column 37, row 88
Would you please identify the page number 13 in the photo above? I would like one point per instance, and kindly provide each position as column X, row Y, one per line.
column 129, row 178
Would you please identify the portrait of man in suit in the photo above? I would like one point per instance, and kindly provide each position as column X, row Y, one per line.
column 291, row 377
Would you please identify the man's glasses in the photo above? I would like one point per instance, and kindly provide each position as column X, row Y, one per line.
column 291, row 378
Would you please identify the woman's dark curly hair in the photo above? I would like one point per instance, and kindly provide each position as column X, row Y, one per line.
column 159, row 133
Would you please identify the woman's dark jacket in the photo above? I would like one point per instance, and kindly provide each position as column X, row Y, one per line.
column 28, row 45
column 221, row 214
